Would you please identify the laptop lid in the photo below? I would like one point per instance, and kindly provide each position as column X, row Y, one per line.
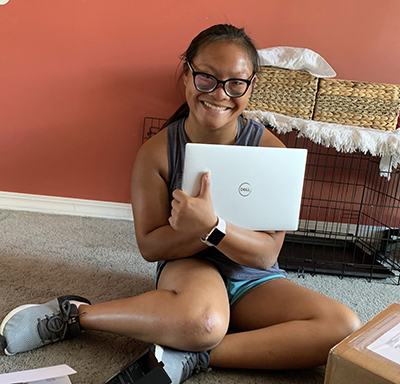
column 257, row 188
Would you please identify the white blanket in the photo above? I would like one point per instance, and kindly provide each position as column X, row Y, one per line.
column 344, row 138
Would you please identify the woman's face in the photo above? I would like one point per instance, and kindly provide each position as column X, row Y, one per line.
column 216, row 110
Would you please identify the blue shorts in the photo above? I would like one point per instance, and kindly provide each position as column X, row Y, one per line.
column 237, row 289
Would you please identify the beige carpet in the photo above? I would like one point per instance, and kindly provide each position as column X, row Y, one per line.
column 45, row 256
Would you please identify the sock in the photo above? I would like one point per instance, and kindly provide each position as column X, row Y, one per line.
column 77, row 303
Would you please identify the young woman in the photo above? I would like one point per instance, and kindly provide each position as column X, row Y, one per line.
column 212, row 276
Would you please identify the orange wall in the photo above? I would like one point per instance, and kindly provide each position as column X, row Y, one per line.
column 78, row 77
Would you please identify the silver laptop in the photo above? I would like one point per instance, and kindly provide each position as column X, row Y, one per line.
column 255, row 188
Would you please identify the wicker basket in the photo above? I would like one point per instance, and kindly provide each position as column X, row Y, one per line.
column 284, row 91
column 363, row 104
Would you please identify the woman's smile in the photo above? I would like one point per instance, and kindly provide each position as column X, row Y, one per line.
column 215, row 107
column 216, row 111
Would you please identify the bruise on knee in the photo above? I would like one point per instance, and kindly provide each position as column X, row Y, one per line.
column 209, row 324
column 206, row 330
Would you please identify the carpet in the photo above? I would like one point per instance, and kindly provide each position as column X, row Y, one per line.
column 43, row 256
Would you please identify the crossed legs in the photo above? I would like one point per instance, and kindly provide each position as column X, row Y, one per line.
column 189, row 310
column 281, row 325
column 278, row 325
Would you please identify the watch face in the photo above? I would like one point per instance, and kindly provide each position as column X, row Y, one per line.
column 215, row 237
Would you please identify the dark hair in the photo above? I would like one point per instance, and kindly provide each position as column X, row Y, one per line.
column 219, row 32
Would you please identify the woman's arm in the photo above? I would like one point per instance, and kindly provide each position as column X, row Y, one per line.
column 251, row 248
column 163, row 234
column 195, row 216
column 157, row 240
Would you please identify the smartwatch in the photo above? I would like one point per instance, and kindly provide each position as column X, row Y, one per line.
column 215, row 236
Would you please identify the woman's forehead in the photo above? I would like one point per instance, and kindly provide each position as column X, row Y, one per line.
column 222, row 57
column 225, row 47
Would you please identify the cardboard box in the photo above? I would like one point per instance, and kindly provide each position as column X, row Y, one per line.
column 371, row 355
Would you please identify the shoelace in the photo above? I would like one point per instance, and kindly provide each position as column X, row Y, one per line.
column 190, row 365
column 54, row 328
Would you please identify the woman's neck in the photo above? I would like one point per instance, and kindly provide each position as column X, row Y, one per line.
column 198, row 134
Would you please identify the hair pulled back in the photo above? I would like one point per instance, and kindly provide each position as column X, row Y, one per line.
column 215, row 33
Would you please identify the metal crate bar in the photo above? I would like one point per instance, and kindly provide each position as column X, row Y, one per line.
column 349, row 218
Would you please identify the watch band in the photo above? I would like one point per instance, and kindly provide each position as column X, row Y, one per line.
column 215, row 236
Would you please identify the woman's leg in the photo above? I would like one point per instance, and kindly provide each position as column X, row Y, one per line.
column 281, row 325
column 188, row 311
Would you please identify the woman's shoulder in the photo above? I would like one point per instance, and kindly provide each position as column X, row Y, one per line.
column 156, row 142
column 154, row 152
column 268, row 139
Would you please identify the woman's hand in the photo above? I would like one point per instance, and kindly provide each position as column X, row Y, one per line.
column 193, row 215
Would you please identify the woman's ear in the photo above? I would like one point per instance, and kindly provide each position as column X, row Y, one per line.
column 185, row 78
column 253, row 82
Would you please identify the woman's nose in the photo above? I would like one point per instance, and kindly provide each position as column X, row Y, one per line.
column 220, row 93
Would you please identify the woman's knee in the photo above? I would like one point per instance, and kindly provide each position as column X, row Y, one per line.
column 341, row 322
column 204, row 329
column 351, row 322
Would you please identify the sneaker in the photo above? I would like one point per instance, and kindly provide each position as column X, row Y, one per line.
column 180, row 365
column 35, row 325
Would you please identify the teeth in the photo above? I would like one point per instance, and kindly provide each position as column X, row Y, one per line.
column 214, row 107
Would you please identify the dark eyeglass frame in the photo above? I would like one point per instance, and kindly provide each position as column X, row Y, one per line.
column 223, row 82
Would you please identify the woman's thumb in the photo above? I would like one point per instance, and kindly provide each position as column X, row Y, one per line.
column 205, row 184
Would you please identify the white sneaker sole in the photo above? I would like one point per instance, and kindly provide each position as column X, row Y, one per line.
column 8, row 317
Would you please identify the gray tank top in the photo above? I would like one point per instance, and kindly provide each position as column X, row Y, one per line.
column 249, row 134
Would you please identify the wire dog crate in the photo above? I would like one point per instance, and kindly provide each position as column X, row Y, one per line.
column 349, row 217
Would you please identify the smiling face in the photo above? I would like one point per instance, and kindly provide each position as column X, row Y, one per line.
column 215, row 114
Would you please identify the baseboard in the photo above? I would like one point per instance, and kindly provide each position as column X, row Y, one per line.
column 65, row 206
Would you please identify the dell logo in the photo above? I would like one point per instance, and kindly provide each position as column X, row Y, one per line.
column 244, row 189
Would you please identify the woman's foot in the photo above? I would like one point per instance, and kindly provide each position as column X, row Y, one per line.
column 34, row 325
column 180, row 365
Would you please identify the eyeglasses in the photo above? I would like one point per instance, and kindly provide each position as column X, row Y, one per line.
column 207, row 83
